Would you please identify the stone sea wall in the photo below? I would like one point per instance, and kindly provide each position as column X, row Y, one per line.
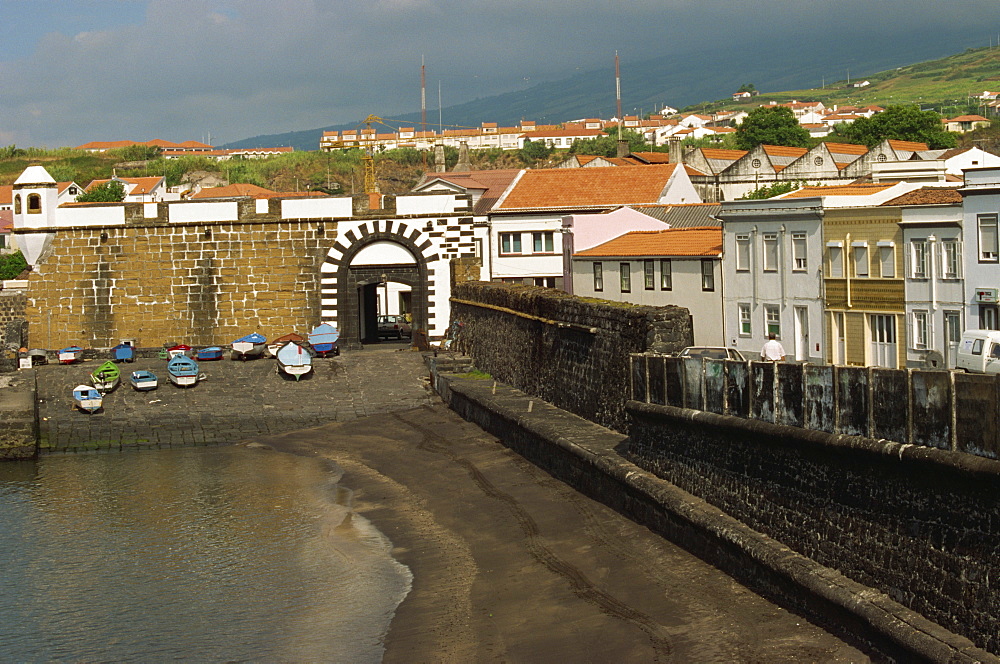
column 570, row 351
column 13, row 328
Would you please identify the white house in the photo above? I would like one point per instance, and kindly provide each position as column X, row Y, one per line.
column 526, row 240
column 674, row 266
column 981, row 207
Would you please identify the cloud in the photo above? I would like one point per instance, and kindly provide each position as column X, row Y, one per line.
column 239, row 68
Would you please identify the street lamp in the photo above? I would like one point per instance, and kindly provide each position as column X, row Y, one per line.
column 385, row 283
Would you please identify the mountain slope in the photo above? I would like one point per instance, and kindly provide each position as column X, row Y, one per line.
column 694, row 77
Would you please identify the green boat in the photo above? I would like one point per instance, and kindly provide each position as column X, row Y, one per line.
column 106, row 377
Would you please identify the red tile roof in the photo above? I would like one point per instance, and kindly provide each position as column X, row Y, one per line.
column 6, row 194
column 587, row 187
column 697, row 241
column 139, row 185
column 910, row 146
column 232, row 191
column 6, row 221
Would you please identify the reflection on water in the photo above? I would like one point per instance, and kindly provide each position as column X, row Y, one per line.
column 220, row 554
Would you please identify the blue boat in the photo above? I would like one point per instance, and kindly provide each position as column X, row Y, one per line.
column 323, row 339
column 249, row 346
column 70, row 354
column 183, row 371
column 123, row 352
column 294, row 360
column 143, row 380
column 88, row 399
column 210, row 353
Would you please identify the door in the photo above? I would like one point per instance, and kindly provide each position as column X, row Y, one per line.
column 839, row 338
column 801, row 334
column 952, row 335
column 883, row 340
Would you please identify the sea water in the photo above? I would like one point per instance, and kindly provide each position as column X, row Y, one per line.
column 197, row 554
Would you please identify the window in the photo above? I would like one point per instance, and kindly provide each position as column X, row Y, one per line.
column 35, row 204
column 798, row 251
column 707, row 274
column 649, row 274
column 951, row 259
column 625, row 273
column 772, row 320
column 887, row 261
column 919, row 332
column 598, row 276
column 666, row 274
column 510, row 243
column 543, row 243
column 17, row 204
column 988, row 319
column 918, row 259
column 988, row 251
column 545, row 282
column 742, row 252
column 746, row 325
column 836, row 261
column 952, row 327
column 860, row 260
column 770, row 252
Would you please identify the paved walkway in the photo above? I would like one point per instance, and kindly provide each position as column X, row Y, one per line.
column 236, row 401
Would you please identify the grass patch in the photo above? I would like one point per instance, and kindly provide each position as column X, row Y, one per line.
column 476, row 374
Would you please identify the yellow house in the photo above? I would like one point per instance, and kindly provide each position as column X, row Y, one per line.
column 865, row 304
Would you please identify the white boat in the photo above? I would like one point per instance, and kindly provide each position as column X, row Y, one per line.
column 183, row 371
column 143, row 380
column 87, row 398
column 249, row 346
column 294, row 360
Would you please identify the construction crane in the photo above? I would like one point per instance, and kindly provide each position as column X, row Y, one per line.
column 368, row 159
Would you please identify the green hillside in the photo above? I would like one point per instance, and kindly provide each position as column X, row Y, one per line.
column 945, row 85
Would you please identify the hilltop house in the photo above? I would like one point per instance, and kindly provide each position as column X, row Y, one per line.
column 141, row 190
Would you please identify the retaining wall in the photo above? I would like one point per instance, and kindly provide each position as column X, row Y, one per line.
column 588, row 457
column 13, row 328
column 570, row 351
column 940, row 409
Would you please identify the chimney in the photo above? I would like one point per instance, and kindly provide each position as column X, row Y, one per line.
column 439, row 158
column 463, row 158
column 675, row 150
column 622, row 148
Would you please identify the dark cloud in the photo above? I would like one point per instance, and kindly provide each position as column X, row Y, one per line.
column 239, row 68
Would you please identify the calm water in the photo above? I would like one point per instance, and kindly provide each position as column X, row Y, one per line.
column 218, row 554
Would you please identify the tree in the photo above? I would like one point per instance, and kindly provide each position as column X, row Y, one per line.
column 771, row 125
column 748, row 87
column 533, row 151
column 607, row 146
column 12, row 265
column 776, row 189
column 901, row 123
column 112, row 191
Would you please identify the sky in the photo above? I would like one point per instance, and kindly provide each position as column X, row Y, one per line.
column 74, row 71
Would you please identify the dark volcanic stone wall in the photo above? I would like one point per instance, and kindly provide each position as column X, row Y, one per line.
column 570, row 351
column 13, row 328
column 920, row 524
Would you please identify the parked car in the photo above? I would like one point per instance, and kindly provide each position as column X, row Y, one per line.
column 390, row 325
column 712, row 353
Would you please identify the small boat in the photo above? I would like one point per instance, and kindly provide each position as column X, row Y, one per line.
column 179, row 349
column 183, row 371
column 323, row 339
column 210, row 353
column 87, row 398
column 294, row 360
column 123, row 352
column 70, row 354
column 106, row 377
column 276, row 344
column 38, row 356
column 143, row 380
column 249, row 346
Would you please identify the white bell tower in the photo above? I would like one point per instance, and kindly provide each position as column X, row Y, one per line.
column 34, row 194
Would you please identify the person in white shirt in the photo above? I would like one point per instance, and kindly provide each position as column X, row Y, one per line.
column 772, row 351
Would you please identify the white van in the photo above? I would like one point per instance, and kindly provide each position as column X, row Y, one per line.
column 979, row 351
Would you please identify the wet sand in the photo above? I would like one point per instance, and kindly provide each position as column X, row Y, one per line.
column 512, row 565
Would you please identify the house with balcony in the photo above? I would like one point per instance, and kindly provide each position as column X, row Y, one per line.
column 680, row 266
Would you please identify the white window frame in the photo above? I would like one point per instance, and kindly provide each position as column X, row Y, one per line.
column 920, row 330
column 746, row 319
column 770, row 250
column 951, row 258
column 772, row 320
column 707, row 274
column 625, row 277
column 543, row 242
column 666, row 274
column 918, row 259
column 743, row 252
column 799, row 251
column 598, row 276
column 510, row 244
column 862, row 264
column 989, row 251
column 649, row 274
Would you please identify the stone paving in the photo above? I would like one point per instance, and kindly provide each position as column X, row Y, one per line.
column 236, row 400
